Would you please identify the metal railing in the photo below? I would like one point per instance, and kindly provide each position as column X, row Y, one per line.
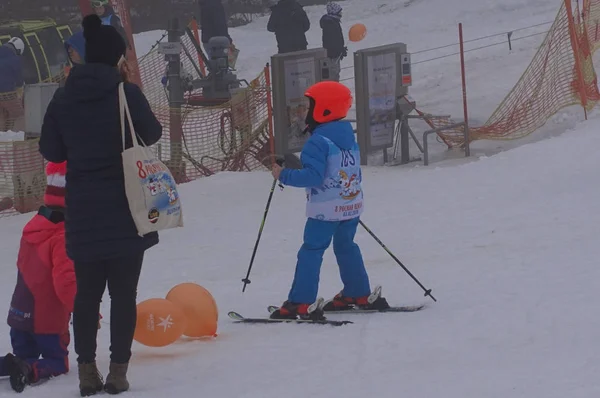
column 439, row 129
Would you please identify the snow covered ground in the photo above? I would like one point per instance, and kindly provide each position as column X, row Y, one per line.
column 506, row 242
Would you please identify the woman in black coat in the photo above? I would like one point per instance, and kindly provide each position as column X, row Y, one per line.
column 82, row 126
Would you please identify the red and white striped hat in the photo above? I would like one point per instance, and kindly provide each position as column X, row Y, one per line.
column 56, row 183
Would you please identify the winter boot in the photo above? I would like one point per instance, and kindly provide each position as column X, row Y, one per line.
column 20, row 372
column 291, row 310
column 116, row 381
column 374, row 301
column 90, row 379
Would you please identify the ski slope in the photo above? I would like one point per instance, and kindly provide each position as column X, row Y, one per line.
column 508, row 243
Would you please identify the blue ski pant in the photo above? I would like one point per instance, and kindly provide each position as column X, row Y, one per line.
column 47, row 354
column 317, row 238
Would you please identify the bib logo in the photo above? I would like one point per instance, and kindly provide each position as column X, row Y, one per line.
column 153, row 215
column 349, row 185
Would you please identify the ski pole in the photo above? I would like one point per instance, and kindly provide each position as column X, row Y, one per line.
column 246, row 280
column 427, row 291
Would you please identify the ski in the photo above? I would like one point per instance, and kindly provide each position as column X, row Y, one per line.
column 405, row 308
column 238, row 318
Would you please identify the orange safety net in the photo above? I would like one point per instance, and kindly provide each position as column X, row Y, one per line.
column 230, row 136
column 561, row 74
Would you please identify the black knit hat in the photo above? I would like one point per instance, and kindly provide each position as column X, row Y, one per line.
column 103, row 43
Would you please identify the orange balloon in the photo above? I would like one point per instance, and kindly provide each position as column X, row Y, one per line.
column 199, row 306
column 160, row 322
column 357, row 32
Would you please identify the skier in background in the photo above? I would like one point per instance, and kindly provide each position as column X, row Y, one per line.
column 43, row 298
column 333, row 38
column 11, row 84
column 290, row 23
column 213, row 22
column 332, row 177
column 107, row 14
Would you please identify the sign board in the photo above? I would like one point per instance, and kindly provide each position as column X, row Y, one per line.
column 293, row 73
column 169, row 48
column 382, row 75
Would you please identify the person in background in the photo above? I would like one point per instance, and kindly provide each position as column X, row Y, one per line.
column 213, row 22
column 75, row 46
column 290, row 23
column 107, row 14
column 82, row 126
column 43, row 298
column 11, row 85
column 333, row 38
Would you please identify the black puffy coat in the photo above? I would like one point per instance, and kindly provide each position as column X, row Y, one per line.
column 82, row 126
column 290, row 23
column 213, row 20
column 333, row 38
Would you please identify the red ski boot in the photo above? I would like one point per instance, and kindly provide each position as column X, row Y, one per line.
column 374, row 301
column 291, row 310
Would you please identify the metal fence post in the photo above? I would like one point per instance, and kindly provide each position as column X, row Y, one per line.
column 176, row 100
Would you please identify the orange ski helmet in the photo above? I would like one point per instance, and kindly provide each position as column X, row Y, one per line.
column 329, row 101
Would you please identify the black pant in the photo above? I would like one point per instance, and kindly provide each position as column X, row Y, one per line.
column 122, row 275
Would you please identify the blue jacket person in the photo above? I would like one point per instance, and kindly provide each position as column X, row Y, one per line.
column 332, row 177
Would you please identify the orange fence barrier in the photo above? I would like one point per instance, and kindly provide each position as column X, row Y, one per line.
column 561, row 74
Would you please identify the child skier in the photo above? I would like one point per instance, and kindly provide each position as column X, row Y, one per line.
column 332, row 177
column 333, row 38
column 43, row 298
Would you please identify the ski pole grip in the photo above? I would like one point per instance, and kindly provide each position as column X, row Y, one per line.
column 279, row 161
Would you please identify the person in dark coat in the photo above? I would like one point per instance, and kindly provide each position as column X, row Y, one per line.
column 213, row 22
column 290, row 23
column 333, row 38
column 82, row 126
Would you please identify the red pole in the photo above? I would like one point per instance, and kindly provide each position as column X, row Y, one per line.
column 464, row 85
column 577, row 57
column 123, row 10
column 194, row 24
column 86, row 7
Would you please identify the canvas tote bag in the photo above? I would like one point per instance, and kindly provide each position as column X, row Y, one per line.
column 150, row 187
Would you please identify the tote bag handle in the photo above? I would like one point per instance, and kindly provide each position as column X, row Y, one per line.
column 124, row 111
